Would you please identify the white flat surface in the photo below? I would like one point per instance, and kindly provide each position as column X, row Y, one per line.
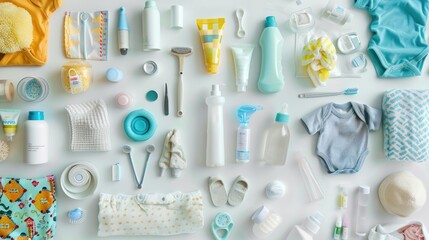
column 294, row 207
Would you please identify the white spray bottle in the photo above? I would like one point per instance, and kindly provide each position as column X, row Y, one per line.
column 242, row 153
column 215, row 153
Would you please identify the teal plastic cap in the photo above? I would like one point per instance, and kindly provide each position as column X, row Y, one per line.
column 270, row 21
column 245, row 112
column 36, row 115
column 283, row 116
column 150, row 4
column 122, row 22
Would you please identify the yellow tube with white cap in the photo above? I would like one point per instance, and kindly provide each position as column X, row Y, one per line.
column 211, row 31
column 9, row 118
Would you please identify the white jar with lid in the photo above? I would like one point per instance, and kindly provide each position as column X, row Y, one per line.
column 337, row 13
column 265, row 222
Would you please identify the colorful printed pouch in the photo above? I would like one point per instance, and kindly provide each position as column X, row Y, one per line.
column 86, row 35
column 27, row 208
column 406, row 124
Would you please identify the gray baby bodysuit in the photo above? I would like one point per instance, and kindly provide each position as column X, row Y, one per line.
column 343, row 134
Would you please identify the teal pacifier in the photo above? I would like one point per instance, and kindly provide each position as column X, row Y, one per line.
column 222, row 224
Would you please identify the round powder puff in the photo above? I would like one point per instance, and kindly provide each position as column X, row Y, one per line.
column 275, row 190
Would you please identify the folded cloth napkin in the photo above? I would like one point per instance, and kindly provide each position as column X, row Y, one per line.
column 89, row 124
column 172, row 156
column 411, row 231
column 28, row 208
column 406, row 124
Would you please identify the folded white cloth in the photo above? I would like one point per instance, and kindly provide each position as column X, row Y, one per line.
column 172, row 156
column 410, row 231
column 89, row 124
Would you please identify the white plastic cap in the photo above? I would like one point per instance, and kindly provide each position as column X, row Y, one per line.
column 312, row 223
column 9, row 137
column 260, row 214
column 364, row 190
column 176, row 16
column 241, row 87
column 215, row 90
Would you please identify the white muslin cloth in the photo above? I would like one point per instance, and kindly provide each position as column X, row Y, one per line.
column 173, row 155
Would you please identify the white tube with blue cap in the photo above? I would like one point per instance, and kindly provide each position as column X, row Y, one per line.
column 123, row 35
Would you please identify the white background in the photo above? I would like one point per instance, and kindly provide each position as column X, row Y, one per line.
column 294, row 207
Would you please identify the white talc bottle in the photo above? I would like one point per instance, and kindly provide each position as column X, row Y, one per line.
column 36, row 138
column 151, row 23
column 215, row 152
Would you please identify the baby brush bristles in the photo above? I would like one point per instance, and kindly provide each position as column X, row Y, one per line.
column 184, row 51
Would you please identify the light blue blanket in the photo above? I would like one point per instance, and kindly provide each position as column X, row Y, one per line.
column 406, row 124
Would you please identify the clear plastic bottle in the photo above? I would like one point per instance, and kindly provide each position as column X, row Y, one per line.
column 215, row 152
column 311, row 184
column 265, row 222
column 277, row 139
column 362, row 210
column 307, row 229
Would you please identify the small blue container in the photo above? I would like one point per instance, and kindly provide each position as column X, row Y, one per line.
column 33, row 89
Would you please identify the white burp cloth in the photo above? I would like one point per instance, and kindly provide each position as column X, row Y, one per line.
column 89, row 124
column 150, row 214
column 173, row 155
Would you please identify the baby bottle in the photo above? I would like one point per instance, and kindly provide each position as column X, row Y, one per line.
column 277, row 139
column 265, row 222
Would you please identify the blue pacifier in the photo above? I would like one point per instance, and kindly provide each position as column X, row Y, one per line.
column 222, row 224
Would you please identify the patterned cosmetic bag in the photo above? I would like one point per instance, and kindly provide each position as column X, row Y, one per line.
column 406, row 125
column 27, row 208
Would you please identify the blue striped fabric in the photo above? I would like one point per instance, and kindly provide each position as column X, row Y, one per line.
column 406, row 125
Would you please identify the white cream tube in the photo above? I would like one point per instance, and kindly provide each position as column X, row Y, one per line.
column 9, row 119
column 242, row 55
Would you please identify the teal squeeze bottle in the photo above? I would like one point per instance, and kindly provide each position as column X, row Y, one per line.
column 271, row 79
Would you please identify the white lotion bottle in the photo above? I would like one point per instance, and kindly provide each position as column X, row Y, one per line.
column 36, row 138
column 151, row 23
column 277, row 139
column 307, row 229
column 215, row 152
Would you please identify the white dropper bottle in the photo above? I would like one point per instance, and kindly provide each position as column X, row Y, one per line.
column 215, row 153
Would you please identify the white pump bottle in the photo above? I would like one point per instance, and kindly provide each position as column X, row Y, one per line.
column 215, row 153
